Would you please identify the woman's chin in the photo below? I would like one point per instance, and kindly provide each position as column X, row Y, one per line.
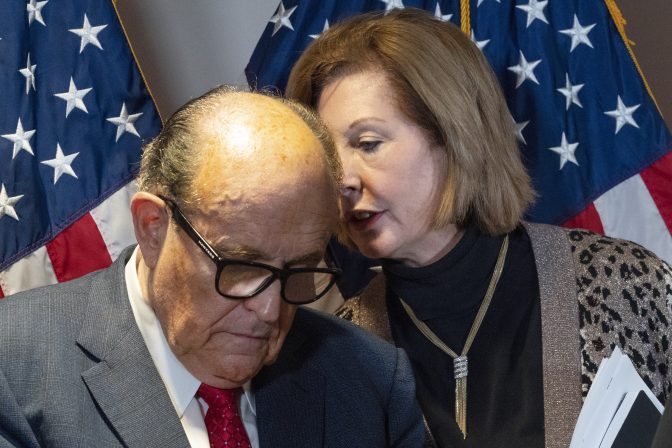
column 371, row 250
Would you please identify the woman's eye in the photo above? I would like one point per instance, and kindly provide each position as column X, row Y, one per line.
column 368, row 145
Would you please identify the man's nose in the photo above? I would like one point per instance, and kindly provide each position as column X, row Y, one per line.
column 266, row 305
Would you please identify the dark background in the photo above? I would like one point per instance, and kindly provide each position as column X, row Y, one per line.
column 649, row 25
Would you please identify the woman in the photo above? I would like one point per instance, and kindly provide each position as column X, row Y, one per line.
column 435, row 187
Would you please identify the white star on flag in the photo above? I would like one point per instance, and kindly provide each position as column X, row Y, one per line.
column 579, row 34
column 534, row 10
column 481, row 1
column 34, row 9
column 88, row 34
column 519, row 131
column 571, row 93
column 7, row 204
column 281, row 18
column 623, row 114
column 326, row 27
column 393, row 4
column 439, row 15
column 479, row 43
column 125, row 122
column 21, row 140
column 524, row 70
column 61, row 163
column 29, row 73
column 74, row 98
column 566, row 151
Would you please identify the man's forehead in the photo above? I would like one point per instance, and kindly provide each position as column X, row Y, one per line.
column 310, row 256
column 278, row 224
column 272, row 198
column 264, row 237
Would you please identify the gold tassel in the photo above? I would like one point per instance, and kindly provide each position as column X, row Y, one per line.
column 460, row 371
column 465, row 17
column 460, row 363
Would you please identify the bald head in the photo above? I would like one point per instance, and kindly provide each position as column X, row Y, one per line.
column 228, row 135
column 256, row 143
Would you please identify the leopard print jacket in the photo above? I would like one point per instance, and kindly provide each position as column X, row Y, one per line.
column 616, row 293
column 625, row 298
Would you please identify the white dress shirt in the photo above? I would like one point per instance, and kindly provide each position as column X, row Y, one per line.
column 180, row 384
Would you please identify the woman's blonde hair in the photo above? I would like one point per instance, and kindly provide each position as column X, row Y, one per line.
column 442, row 83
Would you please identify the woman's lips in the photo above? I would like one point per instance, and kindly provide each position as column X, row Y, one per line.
column 359, row 223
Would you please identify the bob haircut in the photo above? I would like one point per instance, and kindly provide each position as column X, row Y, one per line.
column 441, row 82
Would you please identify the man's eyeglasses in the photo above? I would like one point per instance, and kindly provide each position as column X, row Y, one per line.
column 242, row 279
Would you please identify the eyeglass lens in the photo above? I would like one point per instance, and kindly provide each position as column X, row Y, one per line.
column 300, row 287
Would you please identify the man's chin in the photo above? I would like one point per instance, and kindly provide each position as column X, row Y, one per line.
column 227, row 372
column 231, row 380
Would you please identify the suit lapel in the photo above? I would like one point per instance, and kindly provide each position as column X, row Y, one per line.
column 125, row 383
column 290, row 399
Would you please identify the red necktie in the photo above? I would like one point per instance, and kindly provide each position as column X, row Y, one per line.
column 225, row 429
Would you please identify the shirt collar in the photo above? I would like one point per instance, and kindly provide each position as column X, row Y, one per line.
column 249, row 397
column 180, row 383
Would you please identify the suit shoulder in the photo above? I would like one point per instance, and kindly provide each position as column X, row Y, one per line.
column 329, row 330
column 41, row 293
column 25, row 312
column 343, row 353
column 328, row 341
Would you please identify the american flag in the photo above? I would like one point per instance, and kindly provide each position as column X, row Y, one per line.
column 74, row 112
column 589, row 129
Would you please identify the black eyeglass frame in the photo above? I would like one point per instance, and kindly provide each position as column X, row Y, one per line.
column 220, row 262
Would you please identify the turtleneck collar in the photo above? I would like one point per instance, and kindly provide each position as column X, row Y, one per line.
column 453, row 286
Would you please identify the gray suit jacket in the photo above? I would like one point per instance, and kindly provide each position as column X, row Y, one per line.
column 75, row 372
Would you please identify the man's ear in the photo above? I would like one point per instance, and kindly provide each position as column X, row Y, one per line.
column 150, row 222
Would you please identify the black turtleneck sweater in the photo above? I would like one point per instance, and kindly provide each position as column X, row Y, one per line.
column 504, row 387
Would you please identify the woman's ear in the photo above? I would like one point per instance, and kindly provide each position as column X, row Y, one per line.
column 150, row 221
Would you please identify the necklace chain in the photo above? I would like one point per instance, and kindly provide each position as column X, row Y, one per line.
column 460, row 362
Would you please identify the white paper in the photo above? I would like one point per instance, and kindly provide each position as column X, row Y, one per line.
column 609, row 399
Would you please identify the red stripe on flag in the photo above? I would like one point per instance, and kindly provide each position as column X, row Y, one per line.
column 78, row 250
column 588, row 219
column 658, row 180
column 2, row 295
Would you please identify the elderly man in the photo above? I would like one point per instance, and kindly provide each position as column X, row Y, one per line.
column 194, row 337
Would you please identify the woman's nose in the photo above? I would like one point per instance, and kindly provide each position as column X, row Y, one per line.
column 352, row 181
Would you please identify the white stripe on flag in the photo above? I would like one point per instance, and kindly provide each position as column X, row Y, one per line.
column 29, row 272
column 627, row 211
column 113, row 218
